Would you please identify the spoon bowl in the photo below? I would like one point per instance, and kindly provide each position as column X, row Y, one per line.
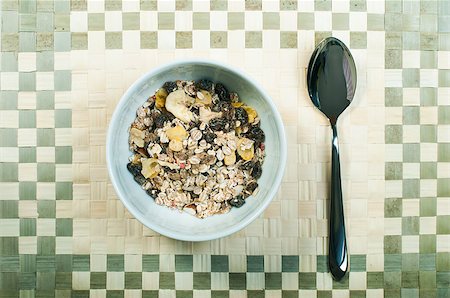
column 331, row 81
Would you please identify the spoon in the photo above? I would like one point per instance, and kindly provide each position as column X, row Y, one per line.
column 331, row 81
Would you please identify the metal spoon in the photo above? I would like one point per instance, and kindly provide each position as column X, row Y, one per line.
column 331, row 80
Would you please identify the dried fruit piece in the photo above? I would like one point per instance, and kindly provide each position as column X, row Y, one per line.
column 222, row 92
column 257, row 170
column 176, row 145
column 252, row 114
column 204, row 84
column 230, row 159
column 237, row 201
column 177, row 133
column 218, row 124
column 137, row 136
column 161, row 96
column 170, row 86
column 209, row 137
column 177, row 103
column 237, row 104
column 241, row 115
column 203, row 98
column 245, row 148
column 257, row 134
column 134, row 168
column 150, row 168
column 250, row 188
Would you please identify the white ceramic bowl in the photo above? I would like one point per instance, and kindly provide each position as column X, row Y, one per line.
column 172, row 223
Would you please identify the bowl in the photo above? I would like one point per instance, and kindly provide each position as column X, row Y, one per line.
column 180, row 225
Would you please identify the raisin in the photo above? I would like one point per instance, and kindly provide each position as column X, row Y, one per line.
column 222, row 92
column 134, row 169
column 237, row 201
column 168, row 114
column 160, row 120
column 140, row 179
column 250, row 188
column 204, row 85
column 241, row 115
column 257, row 134
column 247, row 165
column 218, row 124
column 209, row 137
column 227, row 110
column 170, row 86
column 257, row 170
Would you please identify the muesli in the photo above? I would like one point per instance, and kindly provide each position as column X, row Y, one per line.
column 197, row 148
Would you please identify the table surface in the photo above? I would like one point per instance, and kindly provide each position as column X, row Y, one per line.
column 65, row 64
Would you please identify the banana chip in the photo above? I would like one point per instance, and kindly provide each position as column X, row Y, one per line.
column 245, row 149
column 177, row 133
column 178, row 103
column 150, row 168
column 161, row 96
column 237, row 104
column 251, row 113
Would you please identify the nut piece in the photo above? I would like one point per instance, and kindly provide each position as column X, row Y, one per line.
column 245, row 148
column 230, row 159
column 150, row 168
column 161, row 96
column 137, row 136
column 176, row 145
column 177, row 133
column 177, row 103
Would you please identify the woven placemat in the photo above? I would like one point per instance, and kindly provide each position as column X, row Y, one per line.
column 64, row 66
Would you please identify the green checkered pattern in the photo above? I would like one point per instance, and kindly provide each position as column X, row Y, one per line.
column 416, row 252
column 49, row 247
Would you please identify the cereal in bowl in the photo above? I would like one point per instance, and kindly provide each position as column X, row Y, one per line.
column 197, row 148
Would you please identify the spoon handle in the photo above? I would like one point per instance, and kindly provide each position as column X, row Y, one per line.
column 337, row 254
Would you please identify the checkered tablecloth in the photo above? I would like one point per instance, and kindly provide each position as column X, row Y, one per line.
column 64, row 66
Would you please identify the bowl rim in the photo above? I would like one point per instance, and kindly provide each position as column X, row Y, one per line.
column 239, row 225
